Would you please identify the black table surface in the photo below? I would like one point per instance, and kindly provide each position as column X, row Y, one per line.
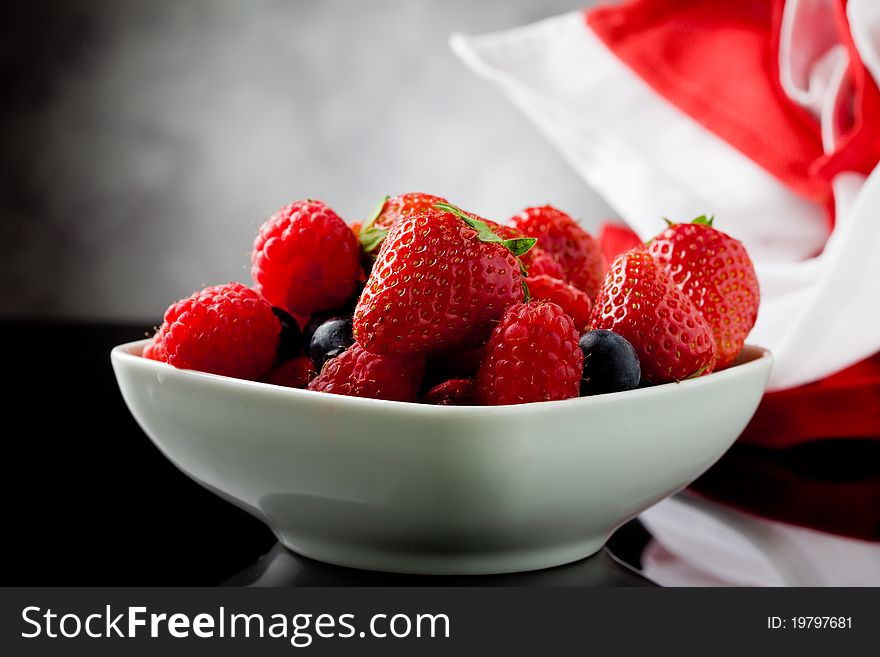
column 93, row 502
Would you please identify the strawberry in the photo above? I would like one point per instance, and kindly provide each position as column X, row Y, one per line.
column 574, row 303
column 440, row 281
column 532, row 355
column 640, row 302
column 374, row 230
column 575, row 250
column 715, row 271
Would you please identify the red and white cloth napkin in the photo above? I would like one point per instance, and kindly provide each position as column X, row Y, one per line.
column 765, row 113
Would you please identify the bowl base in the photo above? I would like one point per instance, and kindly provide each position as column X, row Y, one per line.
column 420, row 563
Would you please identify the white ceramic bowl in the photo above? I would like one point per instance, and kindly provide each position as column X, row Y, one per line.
column 414, row 488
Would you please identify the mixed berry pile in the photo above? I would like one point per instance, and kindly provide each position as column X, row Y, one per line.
column 425, row 302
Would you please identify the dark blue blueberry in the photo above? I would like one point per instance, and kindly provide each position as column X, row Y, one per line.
column 291, row 339
column 329, row 340
column 319, row 318
column 610, row 363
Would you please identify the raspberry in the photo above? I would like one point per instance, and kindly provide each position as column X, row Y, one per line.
column 455, row 392
column 155, row 350
column 305, row 259
column 574, row 248
column 225, row 329
column 293, row 373
column 358, row 373
column 532, row 355
column 574, row 303
column 536, row 260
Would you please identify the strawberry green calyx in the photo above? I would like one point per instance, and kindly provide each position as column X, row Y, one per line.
column 517, row 246
column 371, row 237
column 702, row 220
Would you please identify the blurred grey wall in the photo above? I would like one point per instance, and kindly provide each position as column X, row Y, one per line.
column 144, row 142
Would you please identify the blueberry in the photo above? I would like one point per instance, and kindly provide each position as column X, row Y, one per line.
column 610, row 363
column 291, row 338
column 319, row 318
column 329, row 340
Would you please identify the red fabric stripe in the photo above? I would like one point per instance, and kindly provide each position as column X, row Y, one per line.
column 717, row 62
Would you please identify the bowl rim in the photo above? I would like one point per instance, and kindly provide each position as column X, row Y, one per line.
column 129, row 353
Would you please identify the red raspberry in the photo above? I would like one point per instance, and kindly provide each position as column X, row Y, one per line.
column 226, row 329
column 574, row 303
column 358, row 373
column 155, row 350
column 305, row 259
column 536, row 260
column 532, row 355
column 293, row 373
column 574, row 248
column 540, row 263
column 455, row 392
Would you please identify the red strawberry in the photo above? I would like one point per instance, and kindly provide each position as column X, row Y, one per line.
column 536, row 260
column 441, row 280
column 305, row 259
column 715, row 271
column 293, row 373
column 225, row 329
column 390, row 209
column 532, row 355
column 574, row 303
column 640, row 301
column 358, row 373
column 454, row 392
column 562, row 237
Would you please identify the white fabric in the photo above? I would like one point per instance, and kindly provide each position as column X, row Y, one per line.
column 700, row 543
column 819, row 313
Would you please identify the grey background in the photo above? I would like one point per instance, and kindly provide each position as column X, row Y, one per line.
column 144, row 142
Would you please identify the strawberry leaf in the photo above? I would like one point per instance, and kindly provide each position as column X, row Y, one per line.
column 520, row 245
column 370, row 238
column 527, row 296
column 517, row 246
column 375, row 213
column 703, row 220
